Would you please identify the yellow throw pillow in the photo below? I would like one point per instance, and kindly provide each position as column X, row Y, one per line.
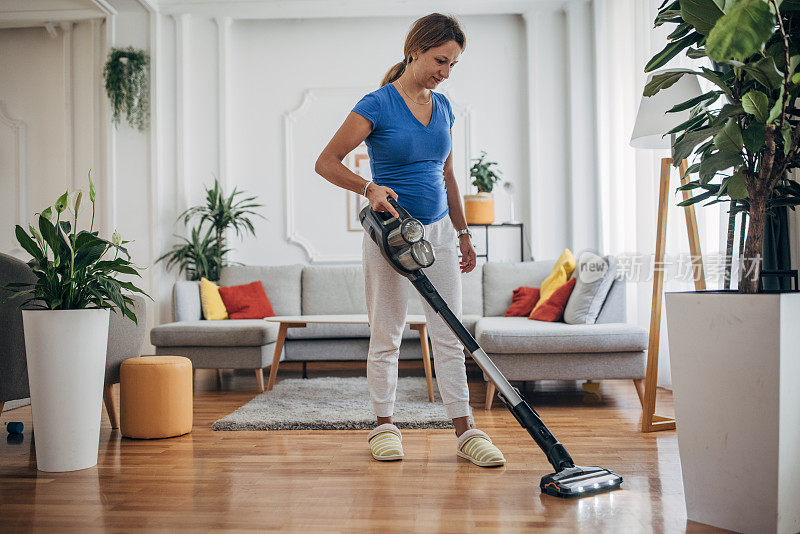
column 561, row 272
column 213, row 307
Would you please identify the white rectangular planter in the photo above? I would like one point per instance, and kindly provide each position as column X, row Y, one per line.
column 735, row 363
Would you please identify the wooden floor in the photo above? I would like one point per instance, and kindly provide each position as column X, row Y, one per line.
column 327, row 481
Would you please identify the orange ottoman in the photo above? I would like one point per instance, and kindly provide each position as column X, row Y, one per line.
column 155, row 395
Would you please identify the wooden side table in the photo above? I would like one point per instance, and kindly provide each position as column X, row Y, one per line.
column 416, row 322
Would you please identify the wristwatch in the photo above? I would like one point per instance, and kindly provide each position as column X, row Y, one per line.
column 464, row 231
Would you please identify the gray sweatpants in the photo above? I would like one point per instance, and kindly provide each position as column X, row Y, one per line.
column 386, row 307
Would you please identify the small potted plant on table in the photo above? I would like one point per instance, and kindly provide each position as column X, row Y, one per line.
column 479, row 208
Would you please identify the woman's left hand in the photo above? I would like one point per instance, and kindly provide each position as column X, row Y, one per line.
column 468, row 259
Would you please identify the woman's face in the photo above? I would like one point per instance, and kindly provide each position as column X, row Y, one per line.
column 432, row 67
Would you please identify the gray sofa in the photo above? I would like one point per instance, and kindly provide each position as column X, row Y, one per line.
column 523, row 349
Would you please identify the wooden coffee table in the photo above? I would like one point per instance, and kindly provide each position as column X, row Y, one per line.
column 416, row 322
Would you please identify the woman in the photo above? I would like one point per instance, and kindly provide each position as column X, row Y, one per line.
column 407, row 128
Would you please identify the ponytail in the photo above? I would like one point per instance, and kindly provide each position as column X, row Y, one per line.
column 395, row 72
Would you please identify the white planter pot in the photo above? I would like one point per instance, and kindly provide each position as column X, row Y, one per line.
column 66, row 352
column 735, row 362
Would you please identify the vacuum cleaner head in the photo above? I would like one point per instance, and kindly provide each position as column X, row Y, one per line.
column 578, row 481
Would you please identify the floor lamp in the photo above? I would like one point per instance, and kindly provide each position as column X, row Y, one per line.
column 652, row 121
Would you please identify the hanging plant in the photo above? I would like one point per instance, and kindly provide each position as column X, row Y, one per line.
column 128, row 86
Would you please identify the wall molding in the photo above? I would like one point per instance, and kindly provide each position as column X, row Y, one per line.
column 109, row 135
column 278, row 9
column 18, row 130
column 181, row 47
column 223, row 46
column 289, row 119
column 155, row 140
column 69, row 108
column 464, row 115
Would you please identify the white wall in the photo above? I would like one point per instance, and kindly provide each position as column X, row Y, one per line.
column 511, row 91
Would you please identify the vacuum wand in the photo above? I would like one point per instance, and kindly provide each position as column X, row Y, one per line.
column 557, row 455
column 402, row 244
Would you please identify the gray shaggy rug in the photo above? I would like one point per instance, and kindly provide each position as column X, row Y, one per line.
column 333, row 403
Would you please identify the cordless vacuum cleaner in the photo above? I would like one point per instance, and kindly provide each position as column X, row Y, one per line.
column 401, row 243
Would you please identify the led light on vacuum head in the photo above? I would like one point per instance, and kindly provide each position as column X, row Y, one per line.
column 577, row 481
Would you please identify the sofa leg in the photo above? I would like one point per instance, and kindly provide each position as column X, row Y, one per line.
column 111, row 409
column 639, row 385
column 219, row 378
column 489, row 394
column 260, row 379
column 1, row 406
column 305, row 369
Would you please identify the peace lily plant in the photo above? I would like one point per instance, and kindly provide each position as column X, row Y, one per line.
column 745, row 149
column 69, row 264
column 66, row 326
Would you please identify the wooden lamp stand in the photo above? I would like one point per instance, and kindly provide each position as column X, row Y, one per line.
column 650, row 421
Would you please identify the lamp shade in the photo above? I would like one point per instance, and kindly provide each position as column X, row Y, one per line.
column 653, row 121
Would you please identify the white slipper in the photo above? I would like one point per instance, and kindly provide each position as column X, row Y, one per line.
column 384, row 441
column 476, row 446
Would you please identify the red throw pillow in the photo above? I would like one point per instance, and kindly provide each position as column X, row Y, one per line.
column 552, row 309
column 247, row 301
column 522, row 302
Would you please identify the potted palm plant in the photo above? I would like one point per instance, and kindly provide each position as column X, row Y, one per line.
column 733, row 353
column 479, row 208
column 203, row 254
column 66, row 331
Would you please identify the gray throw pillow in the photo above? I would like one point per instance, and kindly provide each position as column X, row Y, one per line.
column 595, row 276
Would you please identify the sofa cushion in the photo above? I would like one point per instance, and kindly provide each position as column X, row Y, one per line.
column 523, row 299
column 520, row 335
column 228, row 333
column 500, row 280
column 211, row 301
column 594, row 278
column 186, row 301
column 247, row 301
column 552, row 309
column 561, row 272
column 281, row 283
column 333, row 289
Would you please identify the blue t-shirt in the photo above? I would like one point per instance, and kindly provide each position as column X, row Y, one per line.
column 407, row 156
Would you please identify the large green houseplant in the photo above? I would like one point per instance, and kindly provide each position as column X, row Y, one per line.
column 745, row 149
column 65, row 322
column 203, row 254
column 731, row 354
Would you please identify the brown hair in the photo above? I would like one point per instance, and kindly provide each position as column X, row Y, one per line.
column 428, row 32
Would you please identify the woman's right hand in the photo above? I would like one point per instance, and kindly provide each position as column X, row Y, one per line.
column 376, row 194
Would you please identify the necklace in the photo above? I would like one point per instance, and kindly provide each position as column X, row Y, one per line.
column 430, row 97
